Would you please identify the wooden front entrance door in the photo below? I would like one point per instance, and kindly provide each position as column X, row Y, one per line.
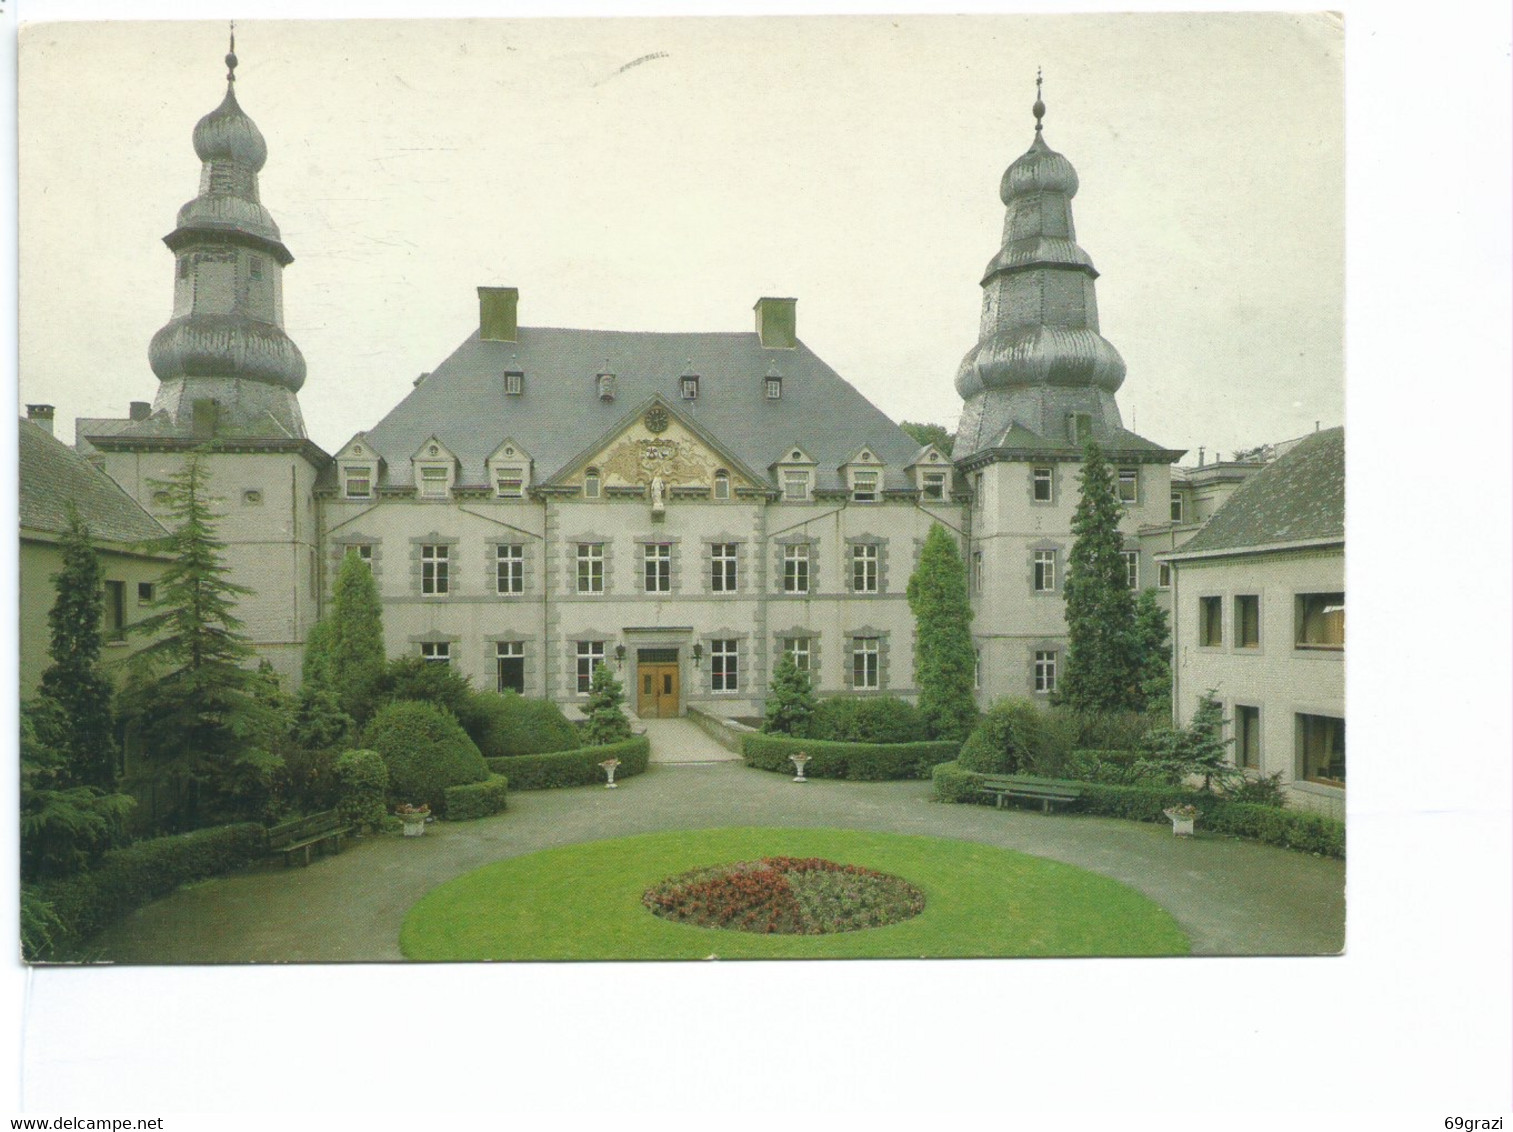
column 657, row 693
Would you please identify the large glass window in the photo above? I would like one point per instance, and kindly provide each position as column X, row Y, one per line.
column 658, row 574
column 434, row 575
column 510, row 569
column 590, row 567
column 796, row 569
column 1321, row 749
column 864, row 568
column 864, row 663
column 509, row 661
column 590, row 656
column 1321, row 621
column 723, row 669
column 722, row 568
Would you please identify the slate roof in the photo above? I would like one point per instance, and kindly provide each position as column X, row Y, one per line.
column 463, row 402
column 52, row 475
column 1300, row 497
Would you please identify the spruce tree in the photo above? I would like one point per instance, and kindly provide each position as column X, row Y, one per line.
column 790, row 700
column 606, row 720
column 1102, row 663
column 1153, row 643
column 190, row 704
column 345, row 651
column 944, row 658
column 73, row 680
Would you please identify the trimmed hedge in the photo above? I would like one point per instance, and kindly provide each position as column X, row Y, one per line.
column 573, row 768
column 477, row 799
column 859, row 762
column 1290, row 829
column 129, row 877
column 426, row 751
column 506, row 724
column 867, row 719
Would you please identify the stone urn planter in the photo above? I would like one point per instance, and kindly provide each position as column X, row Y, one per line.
column 414, row 819
column 608, row 766
column 1182, row 818
column 798, row 762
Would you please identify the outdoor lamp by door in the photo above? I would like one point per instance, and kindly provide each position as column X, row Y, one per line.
column 619, row 656
column 698, row 654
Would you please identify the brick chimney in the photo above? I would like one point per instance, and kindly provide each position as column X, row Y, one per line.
column 496, row 314
column 776, row 323
column 41, row 416
column 140, row 410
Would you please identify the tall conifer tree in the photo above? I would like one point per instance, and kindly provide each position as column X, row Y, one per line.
column 1102, row 663
column 944, row 659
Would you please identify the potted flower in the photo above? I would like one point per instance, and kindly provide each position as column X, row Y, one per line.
column 608, row 767
column 414, row 818
column 1182, row 817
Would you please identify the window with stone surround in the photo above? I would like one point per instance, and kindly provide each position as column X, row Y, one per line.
column 1043, row 482
column 866, row 672
column 1045, row 571
column 1129, row 485
column 1321, row 621
column 864, row 576
column 509, row 569
column 1131, row 568
column 1321, row 749
column 798, row 649
column 435, row 563
column 1247, row 737
column 1248, row 621
column 590, row 656
column 436, row 652
column 724, row 670
column 722, row 567
column 590, row 567
column 509, row 665
column 357, row 481
column 1045, row 670
column 1210, row 621
column 658, row 567
column 796, row 569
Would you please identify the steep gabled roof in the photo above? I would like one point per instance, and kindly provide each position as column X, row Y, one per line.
column 53, row 475
column 464, row 404
column 1299, row 498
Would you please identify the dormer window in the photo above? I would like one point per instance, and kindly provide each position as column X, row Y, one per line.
column 774, row 388
column 591, row 484
column 796, row 487
column 690, row 386
column 514, row 382
column 933, row 486
column 864, row 487
column 434, row 482
column 357, row 481
column 722, row 484
column 509, row 483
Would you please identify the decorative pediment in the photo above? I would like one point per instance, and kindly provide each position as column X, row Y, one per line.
column 435, row 467
column 509, row 452
column 655, row 444
column 509, row 470
column 433, row 451
column 359, row 449
column 794, row 457
column 863, row 457
column 927, row 456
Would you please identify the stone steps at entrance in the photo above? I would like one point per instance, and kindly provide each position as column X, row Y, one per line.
column 679, row 742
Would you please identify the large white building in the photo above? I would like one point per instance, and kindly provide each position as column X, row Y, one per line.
column 685, row 506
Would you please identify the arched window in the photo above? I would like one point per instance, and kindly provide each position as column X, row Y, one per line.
column 722, row 484
column 591, row 484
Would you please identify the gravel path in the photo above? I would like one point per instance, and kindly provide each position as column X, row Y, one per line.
column 1231, row 897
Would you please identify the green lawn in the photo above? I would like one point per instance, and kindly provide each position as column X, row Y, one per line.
column 584, row 902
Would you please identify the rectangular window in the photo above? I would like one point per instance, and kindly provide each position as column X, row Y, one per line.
column 798, row 648
column 1248, row 621
column 147, row 593
column 1045, row 671
column 722, row 576
column 722, row 485
column 364, row 551
column 795, row 569
column 1211, row 621
column 723, row 670
column 774, row 388
column 864, row 569
column 1129, row 485
column 1321, row 621
column 436, row 652
column 590, row 567
column 979, row 492
column 514, row 383
column 935, row 486
column 864, row 487
column 591, row 484
column 115, row 611
column 864, row 670
column 509, row 483
column 796, row 486
column 1043, row 483
column 1176, row 507
column 977, row 571
column 1045, row 571
column 509, row 569
column 433, row 483
column 1248, row 737
column 658, row 558
column 1164, row 575
column 1321, row 749
column 434, row 561
column 590, row 656
column 690, row 388
column 1131, row 568
column 509, row 661
column 359, row 483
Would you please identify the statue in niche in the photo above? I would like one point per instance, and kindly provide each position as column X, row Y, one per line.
column 657, row 491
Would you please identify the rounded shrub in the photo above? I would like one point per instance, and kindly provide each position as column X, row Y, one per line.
column 867, row 719
column 362, row 785
column 509, row 724
column 1010, row 740
column 426, row 750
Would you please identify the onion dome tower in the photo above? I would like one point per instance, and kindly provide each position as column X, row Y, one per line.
column 1040, row 363
column 225, row 342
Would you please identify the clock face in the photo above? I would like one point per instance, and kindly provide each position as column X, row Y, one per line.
column 655, row 420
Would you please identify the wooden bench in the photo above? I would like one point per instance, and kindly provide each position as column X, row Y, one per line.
column 298, row 837
column 1046, row 790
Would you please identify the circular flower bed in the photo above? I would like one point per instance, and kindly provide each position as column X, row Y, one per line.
column 785, row 896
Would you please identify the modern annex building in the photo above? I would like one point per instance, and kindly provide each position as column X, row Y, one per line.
column 685, row 506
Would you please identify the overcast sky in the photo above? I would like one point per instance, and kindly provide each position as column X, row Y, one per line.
column 663, row 174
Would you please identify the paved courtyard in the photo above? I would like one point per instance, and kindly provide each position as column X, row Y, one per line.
column 1231, row 897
